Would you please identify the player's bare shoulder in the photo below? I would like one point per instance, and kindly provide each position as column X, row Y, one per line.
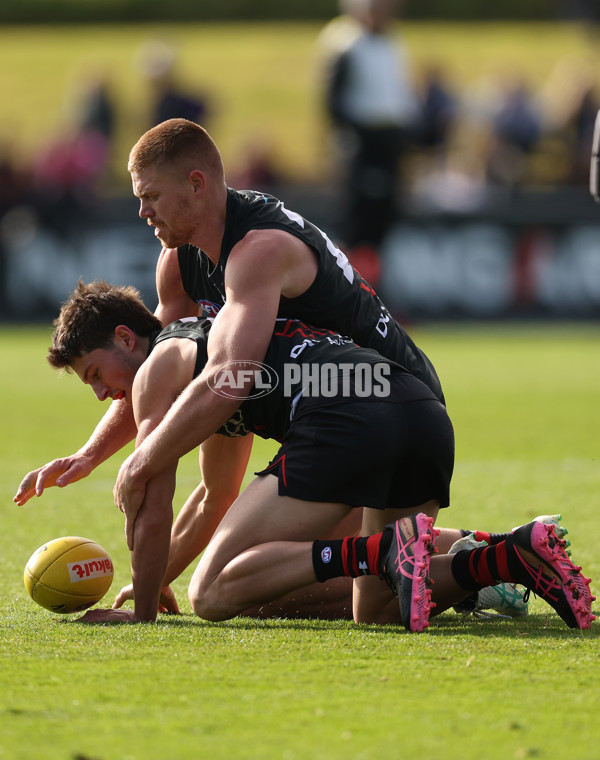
column 168, row 265
column 276, row 254
column 164, row 374
column 173, row 301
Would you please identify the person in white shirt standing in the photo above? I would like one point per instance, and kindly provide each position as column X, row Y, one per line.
column 373, row 107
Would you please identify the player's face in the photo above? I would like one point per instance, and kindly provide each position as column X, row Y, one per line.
column 109, row 372
column 166, row 202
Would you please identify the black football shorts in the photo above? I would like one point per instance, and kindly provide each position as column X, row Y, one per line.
column 378, row 453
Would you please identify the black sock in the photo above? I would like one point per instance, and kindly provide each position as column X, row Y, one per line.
column 350, row 556
column 490, row 538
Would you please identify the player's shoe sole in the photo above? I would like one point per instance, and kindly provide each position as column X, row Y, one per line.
column 506, row 600
column 537, row 560
column 406, row 568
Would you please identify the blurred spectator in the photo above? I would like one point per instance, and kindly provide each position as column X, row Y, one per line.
column 65, row 176
column 94, row 110
column 339, row 33
column 373, row 108
column 438, row 109
column 582, row 124
column 70, row 170
column 14, row 181
column 516, row 131
column 570, row 101
column 517, row 119
column 169, row 100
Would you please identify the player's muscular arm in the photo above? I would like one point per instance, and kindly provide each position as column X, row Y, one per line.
column 117, row 427
column 173, row 302
column 157, row 384
column 223, row 462
column 261, row 267
column 256, row 272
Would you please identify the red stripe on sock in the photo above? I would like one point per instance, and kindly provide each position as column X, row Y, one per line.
column 355, row 572
column 373, row 543
column 502, row 562
column 481, row 572
column 345, row 556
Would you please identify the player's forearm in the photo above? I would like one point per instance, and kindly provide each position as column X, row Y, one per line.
column 115, row 430
column 191, row 420
column 151, row 548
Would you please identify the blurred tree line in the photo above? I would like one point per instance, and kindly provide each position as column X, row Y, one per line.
column 128, row 11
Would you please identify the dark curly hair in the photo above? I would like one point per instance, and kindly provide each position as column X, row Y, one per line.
column 87, row 320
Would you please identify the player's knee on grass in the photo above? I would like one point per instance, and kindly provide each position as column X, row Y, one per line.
column 207, row 604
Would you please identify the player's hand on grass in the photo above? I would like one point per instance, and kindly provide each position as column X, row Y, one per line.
column 109, row 616
column 124, row 595
column 168, row 602
column 59, row 472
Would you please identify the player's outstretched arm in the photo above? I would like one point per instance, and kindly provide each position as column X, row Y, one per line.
column 59, row 472
column 115, row 430
column 117, row 427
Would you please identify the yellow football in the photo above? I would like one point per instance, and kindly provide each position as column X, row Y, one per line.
column 68, row 574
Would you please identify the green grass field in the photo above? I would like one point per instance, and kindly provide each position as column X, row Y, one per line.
column 263, row 79
column 524, row 402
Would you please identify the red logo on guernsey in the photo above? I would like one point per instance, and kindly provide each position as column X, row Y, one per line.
column 209, row 309
column 89, row 568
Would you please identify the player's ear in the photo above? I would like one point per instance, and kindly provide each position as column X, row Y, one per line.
column 197, row 180
column 126, row 336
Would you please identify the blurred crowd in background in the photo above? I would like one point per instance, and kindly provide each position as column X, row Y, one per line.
column 69, row 173
column 396, row 135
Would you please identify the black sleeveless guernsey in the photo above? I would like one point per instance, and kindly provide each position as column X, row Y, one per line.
column 294, row 345
column 339, row 299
